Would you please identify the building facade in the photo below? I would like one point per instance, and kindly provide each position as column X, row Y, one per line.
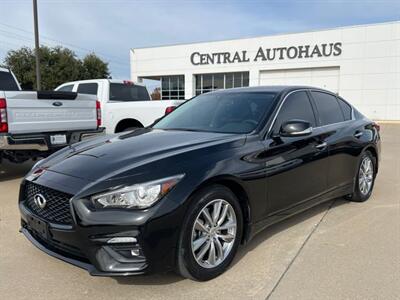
column 360, row 63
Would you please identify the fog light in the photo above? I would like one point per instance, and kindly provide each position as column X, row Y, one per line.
column 135, row 252
column 119, row 240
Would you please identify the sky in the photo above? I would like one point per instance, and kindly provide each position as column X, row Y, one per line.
column 110, row 28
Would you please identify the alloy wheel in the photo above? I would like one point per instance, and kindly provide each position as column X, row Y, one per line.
column 366, row 176
column 214, row 233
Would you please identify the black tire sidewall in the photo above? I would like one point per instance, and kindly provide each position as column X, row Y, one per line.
column 199, row 201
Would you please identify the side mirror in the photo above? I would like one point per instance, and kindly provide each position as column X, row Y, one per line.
column 295, row 128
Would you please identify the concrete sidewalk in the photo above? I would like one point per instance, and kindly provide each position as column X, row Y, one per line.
column 338, row 250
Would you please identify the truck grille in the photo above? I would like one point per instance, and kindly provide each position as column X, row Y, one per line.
column 57, row 209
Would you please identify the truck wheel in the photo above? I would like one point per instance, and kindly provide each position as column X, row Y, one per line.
column 128, row 125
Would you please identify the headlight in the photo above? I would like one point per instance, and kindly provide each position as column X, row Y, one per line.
column 140, row 195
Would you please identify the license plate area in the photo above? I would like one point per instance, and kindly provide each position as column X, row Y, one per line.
column 38, row 226
column 58, row 139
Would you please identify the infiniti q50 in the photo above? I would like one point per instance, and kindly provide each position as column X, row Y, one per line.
column 184, row 193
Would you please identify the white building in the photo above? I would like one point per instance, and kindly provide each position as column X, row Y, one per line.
column 360, row 63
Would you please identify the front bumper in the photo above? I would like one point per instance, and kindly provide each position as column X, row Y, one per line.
column 85, row 241
column 74, row 261
column 41, row 142
column 92, row 252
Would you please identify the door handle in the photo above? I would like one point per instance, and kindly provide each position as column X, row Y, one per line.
column 322, row 145
column 358, row 134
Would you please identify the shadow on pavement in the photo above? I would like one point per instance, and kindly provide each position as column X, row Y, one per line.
column 10, row 171
column 152, row 279
column 285, row 224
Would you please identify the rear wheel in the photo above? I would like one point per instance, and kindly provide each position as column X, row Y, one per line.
column 210, row 234
column 365, row 178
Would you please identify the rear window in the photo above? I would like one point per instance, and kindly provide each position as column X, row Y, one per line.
column 329, row 111
column 7, row 82
column 345, row 108
column 128, row 92
column 88, row 88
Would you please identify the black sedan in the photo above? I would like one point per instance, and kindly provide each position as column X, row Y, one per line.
column 183, row 193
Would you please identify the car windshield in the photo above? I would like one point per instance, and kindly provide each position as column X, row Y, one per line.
column 220, row 112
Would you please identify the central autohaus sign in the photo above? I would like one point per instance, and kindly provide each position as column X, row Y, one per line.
column 268, row 54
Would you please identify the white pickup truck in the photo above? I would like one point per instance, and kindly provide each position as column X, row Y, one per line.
column 35, row 124
column 125, row 105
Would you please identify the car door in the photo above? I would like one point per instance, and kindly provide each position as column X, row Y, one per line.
column 335, row 118
column 296, row 166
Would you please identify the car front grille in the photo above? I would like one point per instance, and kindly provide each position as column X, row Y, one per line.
column 57, row 208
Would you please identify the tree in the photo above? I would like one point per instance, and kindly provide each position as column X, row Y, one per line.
column 94, row 67
column 22, row 62
column 57, row 65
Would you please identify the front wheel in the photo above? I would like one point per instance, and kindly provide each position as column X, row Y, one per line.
column 210, row 234
column 365, row 179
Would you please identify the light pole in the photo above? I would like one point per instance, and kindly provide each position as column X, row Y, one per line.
column 35, row 23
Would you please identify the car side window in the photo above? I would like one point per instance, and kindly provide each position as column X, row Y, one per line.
column 296, row 106
column 88, row 88
column 66, row 88
column 329, row 111
column 346, row 109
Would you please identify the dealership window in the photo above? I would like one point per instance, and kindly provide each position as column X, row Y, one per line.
column 173, row 87
column 211, row 82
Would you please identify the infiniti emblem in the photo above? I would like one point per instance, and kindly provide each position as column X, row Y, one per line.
column 40, row 200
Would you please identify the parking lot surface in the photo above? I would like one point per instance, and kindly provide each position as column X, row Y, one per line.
column 337, row 250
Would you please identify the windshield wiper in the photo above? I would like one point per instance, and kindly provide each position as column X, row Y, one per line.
column 191, row 129
column 185, row 129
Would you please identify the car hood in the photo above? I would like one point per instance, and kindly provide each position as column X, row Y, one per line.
column 116, row 155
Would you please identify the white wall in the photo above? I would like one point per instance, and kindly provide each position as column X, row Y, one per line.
column 369, row 64
column 327, row 78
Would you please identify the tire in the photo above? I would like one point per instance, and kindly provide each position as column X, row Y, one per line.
column 207, row 268
column 361, row 194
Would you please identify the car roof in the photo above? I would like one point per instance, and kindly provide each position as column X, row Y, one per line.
column 271, row 88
